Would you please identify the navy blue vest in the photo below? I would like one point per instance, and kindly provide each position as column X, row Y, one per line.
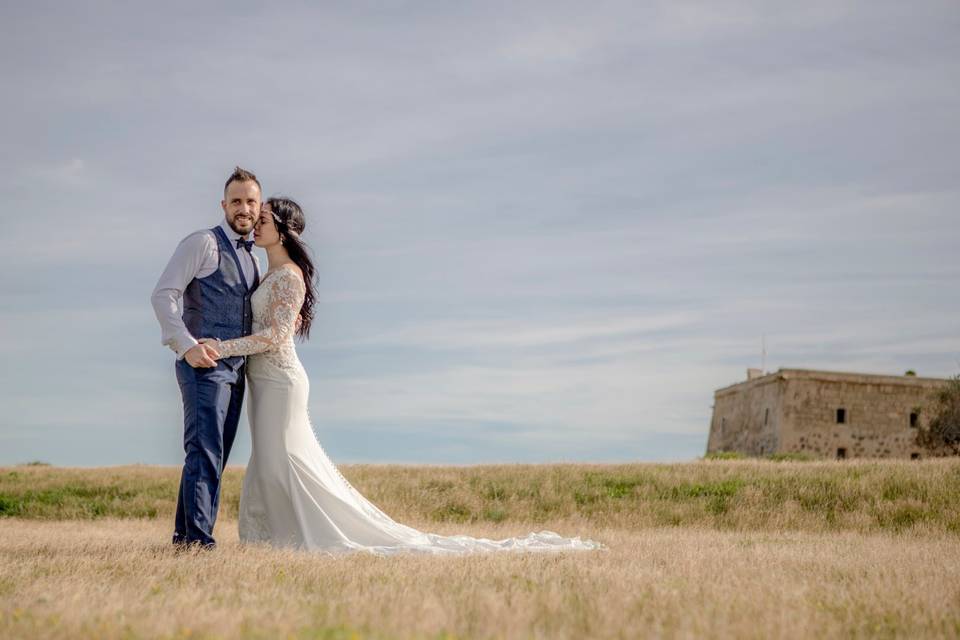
column 218, row 305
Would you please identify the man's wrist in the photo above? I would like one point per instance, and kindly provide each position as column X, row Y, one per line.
column 183, row 352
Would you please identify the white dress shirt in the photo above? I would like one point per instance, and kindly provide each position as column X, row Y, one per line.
column 197, row 256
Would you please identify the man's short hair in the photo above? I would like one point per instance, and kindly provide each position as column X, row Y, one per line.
column 241, row 175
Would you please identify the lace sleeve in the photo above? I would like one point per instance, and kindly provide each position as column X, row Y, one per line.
column 283, row 307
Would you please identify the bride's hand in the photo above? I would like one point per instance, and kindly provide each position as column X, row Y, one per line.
column 212, row 345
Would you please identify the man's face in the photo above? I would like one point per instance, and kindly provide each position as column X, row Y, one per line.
column 241, row 205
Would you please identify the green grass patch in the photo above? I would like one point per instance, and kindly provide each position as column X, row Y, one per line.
column 723, row 489
column 791, row 456
column 724, row 455
column 452, row 512
column 738, row 494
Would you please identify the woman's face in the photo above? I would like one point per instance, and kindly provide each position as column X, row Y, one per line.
column 265, row 232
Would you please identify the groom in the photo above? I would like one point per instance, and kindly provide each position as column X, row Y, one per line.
column 215, row 272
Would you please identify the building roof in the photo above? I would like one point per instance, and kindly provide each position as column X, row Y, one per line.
column 833, row 376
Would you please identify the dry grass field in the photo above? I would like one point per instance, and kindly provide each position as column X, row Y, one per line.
column 714, row 548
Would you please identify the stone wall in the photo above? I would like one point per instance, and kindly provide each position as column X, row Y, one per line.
column 795, row 410
column 746, row 418
column 876, row 414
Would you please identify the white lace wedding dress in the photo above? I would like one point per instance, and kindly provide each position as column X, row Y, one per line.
column 293, row 495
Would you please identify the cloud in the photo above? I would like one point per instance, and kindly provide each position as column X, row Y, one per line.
column 515, row 333
column 565, row 229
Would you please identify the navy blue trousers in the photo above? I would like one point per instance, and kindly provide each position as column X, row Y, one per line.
column 211, row 410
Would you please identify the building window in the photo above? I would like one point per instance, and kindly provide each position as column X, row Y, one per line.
column 841, row 453
column 914, row 456
column 841, row 416
column 913, row 419
column 723, row 425
column 766, row 416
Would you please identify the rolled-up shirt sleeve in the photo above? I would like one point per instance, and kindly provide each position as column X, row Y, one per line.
column 190, row 259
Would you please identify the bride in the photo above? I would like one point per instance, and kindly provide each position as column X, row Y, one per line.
column 292, row 494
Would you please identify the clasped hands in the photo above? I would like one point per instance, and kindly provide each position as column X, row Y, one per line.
column 203, row 355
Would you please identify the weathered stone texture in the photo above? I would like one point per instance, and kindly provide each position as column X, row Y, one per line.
column 795, row 410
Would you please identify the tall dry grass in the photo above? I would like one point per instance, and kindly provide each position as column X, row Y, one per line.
column 117, row 579
column 857, row 495
column 751, row 549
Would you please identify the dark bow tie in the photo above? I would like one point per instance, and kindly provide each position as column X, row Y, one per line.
column 246, row 244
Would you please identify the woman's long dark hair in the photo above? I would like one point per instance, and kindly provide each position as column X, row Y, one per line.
column 288, row 216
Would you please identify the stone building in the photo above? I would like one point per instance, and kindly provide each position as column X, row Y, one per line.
column 823, row 413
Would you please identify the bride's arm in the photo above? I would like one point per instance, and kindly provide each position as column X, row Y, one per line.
column 283, row 308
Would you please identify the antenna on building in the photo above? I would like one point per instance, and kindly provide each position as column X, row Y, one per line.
column 763, row 352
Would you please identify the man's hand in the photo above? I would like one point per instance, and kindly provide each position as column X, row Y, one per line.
column 202, row 356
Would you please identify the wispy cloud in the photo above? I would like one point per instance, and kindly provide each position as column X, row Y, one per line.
column 545, row 237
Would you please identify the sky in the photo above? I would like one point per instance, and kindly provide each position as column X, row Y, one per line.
column 544, row 231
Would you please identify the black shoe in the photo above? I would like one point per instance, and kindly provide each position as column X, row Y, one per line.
column 189, row 546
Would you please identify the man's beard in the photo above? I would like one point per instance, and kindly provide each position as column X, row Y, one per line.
column 233, row 225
